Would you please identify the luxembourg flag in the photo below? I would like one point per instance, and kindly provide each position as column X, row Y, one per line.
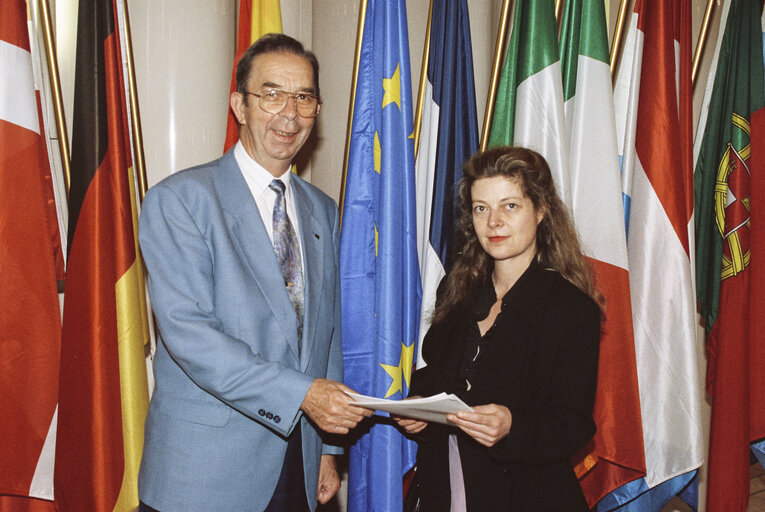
column 654, row 128
column 449, row 137
column 615, row 455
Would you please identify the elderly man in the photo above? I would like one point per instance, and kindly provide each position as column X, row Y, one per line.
column 242, row 258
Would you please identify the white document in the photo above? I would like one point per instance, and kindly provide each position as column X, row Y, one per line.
column 430, row 408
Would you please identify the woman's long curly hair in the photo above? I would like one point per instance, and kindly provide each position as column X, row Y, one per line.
column 557, row 244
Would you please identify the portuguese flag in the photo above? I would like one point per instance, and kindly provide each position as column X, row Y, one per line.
column 103, row 394
column 724, row 176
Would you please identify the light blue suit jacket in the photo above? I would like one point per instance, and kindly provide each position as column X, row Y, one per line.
column 229, row 375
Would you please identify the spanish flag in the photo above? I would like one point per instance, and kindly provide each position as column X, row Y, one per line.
column 103, row 393
column 256, row 18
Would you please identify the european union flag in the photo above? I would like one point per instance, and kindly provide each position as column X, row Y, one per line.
column 378, row 253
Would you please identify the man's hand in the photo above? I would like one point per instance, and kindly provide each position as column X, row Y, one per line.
column 330, row 408
column 329, row 480
column 487, row 424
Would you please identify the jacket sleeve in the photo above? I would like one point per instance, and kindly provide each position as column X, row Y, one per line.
column 557, row 428
column 182, row 289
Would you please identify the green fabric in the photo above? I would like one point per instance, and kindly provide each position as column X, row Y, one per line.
column 533, row 46
column 583, row 32
column 738, row 89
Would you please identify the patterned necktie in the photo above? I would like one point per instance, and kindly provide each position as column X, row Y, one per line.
column 288, row 253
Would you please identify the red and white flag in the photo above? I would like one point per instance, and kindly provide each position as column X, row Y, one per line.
column 30, row 324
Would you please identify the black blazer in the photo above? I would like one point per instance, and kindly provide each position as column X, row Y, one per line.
column 542, row 365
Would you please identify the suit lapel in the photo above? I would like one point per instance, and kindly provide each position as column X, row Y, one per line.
column 251, row 241
column 311, row 234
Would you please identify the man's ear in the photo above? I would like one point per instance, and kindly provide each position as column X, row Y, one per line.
column 236, row 101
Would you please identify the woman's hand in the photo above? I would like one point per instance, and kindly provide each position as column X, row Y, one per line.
column 410, row 425
column 488, row 424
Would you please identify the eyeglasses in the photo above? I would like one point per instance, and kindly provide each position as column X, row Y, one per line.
column 274, row 101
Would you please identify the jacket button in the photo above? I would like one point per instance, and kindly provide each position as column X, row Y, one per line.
column 277, row 419
column 269, row 415
column 262, row 412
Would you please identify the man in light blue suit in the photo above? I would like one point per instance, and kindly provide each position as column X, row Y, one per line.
column 242, row 258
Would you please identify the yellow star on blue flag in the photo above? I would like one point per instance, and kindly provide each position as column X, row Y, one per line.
column 403, row 369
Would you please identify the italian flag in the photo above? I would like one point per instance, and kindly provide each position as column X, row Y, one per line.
column 529, row 107
column 616, row 455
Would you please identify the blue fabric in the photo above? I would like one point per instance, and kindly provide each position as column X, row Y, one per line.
column 635, row 496
column 758, row 449
column 378, row 256
column 450, row 72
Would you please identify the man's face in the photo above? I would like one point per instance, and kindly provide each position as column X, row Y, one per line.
column 272, row 140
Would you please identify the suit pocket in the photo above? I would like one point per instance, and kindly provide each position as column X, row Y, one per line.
column 213, row 415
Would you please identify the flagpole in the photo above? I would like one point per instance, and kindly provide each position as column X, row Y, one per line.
column 495, row 72
column 616, row 42
column 701, row 43
column 355, row 79
column 423, row 82
column 135, row 115
column 55, row 85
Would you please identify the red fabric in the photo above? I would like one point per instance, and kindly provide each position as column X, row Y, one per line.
column 667, row 161
column 757, row 281
column 242, row 43
column 618, row 442
column 30, row 326
column 19, row 504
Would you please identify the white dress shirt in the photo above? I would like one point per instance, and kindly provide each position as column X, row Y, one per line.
column 258, row 179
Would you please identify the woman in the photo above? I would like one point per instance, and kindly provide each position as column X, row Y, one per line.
column 515, row 335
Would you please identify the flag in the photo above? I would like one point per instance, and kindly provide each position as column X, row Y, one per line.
column 378, row 253
column 615, row 456
column 758, row 240
column 103, row 394
column 757, row 295
column 256, row 18
column 724, row 197
column 528, row 110
column 449, row 137
column 653, row 105
column 30, row 323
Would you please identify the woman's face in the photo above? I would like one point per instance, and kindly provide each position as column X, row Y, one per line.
column 505, row 220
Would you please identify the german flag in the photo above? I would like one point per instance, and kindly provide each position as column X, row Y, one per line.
column 103, row 395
